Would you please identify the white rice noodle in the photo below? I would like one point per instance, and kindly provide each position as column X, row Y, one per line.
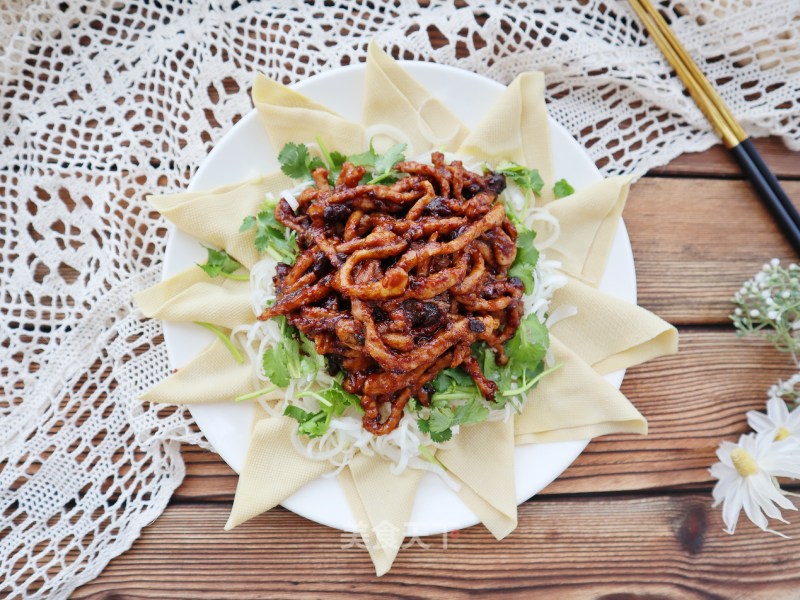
column 541, row 215
column 346, row 435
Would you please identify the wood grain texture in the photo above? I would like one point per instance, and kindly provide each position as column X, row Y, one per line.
column 718, row 162
column 692, row 401
column 665, row 547
column 695, row 241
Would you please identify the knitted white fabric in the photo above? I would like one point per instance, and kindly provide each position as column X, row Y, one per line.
column 106, row 101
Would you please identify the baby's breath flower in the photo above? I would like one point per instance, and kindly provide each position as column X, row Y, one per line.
column 769, row 305
column 787, row 391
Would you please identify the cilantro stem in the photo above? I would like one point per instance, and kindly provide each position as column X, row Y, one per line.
column 256, row 394
column 274, row 253
column 531, row 383
column 238, row 357
column 242, row 277
column 379, row 178
column 313, row 394
column 426, row 454
column 325, row 154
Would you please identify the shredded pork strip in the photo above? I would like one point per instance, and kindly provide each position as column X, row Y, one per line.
column 394, row 283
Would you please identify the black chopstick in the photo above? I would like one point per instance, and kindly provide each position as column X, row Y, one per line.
column 769, row 189
column 733, row 135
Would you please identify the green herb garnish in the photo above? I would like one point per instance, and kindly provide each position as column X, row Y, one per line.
column 562, row 189
column 271, row 235
column 225, row 339
column 333, row 401
column 528, row 180
column 219, row 262
column 297, row 162
column 292, row 357
column 524, row 264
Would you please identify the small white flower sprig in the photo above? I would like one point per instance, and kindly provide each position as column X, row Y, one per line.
column 767, row 305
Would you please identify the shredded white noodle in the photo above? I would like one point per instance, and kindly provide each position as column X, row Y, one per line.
column 406, row 446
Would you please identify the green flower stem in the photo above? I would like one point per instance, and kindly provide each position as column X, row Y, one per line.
column 237, row 355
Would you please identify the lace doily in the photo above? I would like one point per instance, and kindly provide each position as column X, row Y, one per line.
column 104, row 102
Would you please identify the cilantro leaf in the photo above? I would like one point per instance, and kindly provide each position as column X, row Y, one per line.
column 384, row 163
column 471, row 412
column 365, row 159
column 562, row 189
column 333, row 401
column 381, row 166
column 339, row 399
column 527, row 349
column 441, row 436
column 524, row 263
column 271, row 235
column 424, row 425
column 526, row 179
column 218, row 262
column 296, row 162
column 292, row 357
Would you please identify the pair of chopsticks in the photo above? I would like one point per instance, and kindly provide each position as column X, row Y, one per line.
column 715, row 110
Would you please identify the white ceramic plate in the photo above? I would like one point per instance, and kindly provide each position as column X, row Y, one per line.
column 245, row 152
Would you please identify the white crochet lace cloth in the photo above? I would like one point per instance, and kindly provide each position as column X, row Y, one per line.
column 106, row 101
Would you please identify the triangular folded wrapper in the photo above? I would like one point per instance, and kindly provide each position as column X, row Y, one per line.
column 211, row 376
column 381, row 503
column 608, row 333
column 289, row 116
column 482, row 460
column 588, row 221
column 273, row 470
column 516, row 128
column 575, row 403
column 192, row 296
column 397, row 109
column 215, row 216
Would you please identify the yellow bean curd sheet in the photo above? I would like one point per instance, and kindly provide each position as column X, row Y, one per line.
column 575, row 402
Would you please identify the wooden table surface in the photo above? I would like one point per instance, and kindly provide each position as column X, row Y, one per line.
column 631, row 518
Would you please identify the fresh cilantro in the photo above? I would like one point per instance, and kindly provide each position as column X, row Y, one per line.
column 562, row 189
column 296, row 162
column 525, row 366
column 333, row 161
column 333, row 401
column 381, row 166
column 528, row 180
column 291, row 357
column 271, row 235
column 456, row 401
column 524, row 263
column 219, row 262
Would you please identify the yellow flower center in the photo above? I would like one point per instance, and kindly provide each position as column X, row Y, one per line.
column 744, row 462
column 782, row 434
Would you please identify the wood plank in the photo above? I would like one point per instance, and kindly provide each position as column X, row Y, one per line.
column 695, row 241
column 693, row 400
column 718, row 162
column 622, row 547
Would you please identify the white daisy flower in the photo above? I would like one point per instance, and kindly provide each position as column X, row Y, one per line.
column 746, row 477
column 778, row 424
